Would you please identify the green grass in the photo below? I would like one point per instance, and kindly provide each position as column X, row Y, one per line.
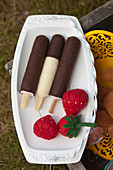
column 12, row 16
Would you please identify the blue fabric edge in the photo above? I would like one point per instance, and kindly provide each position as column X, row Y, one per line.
column 108, row 164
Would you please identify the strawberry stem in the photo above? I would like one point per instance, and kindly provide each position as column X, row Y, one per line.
column 79, row 125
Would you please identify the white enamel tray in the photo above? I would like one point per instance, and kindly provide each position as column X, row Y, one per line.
column 60, row 150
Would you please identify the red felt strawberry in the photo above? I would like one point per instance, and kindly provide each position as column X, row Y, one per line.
column 74, row 101
column 45, row 128
column 70, row 126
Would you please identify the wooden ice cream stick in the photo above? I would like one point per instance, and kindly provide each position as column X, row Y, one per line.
column 24, row 100
column 39, row 102
column 54, row 101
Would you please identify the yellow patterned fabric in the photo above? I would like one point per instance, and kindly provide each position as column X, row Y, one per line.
column 101, row 43
column 104, row 148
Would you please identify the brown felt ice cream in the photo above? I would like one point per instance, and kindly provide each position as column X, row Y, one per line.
column 67, row 62
column 64, row 71
column 56, row 46
column 34, row 67
column 35, row 63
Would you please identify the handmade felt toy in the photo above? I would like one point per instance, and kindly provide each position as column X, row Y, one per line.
column 34, row 66
column 70, row 126
column 65, row 69
column 74, row 101
column 45, row 128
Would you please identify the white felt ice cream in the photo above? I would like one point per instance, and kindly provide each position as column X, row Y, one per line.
column 49, row 68
column 48, row 73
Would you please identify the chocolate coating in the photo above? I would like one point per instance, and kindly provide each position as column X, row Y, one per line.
column 56, row 46
column 67, row 62
column 35, row 63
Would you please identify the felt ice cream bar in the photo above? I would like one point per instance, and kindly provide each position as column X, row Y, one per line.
column 33, row 69
column 49, row 68
column 64, row 71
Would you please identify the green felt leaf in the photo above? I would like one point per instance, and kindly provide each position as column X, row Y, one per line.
column 77, row 131
column 69, row 132
column 78, row 119
column 73, row 118
column 69, row 125
column 79, row 125
column 74, row 125
column 72, row 135
column 76, row 134
column 68, row 119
